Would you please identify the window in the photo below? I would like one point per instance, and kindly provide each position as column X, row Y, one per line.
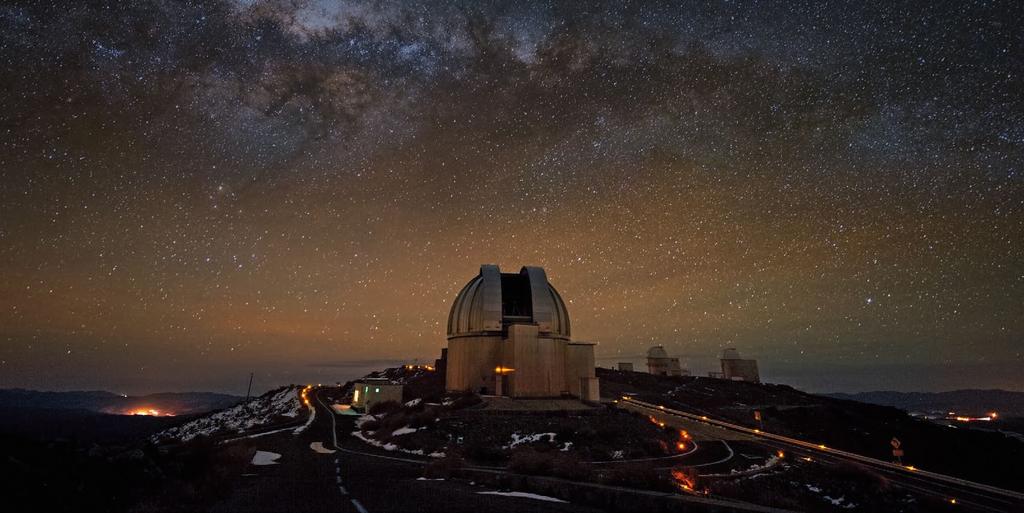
column 376, row 390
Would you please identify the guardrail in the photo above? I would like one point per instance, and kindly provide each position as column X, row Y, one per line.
column 910, row 470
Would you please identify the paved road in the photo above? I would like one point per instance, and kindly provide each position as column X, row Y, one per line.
column 352, row 480
column 974, row 495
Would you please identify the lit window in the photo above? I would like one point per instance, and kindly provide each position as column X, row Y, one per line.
column 376, row 390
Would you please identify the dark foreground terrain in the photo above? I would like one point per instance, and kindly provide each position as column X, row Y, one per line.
column 455, row 453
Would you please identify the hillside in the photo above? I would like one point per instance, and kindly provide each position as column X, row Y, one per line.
column 968, row 402
column 979, row 455
column 276, row 408
column 185, row 403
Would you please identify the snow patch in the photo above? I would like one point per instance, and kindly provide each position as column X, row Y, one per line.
column 524, row 495
column 414, row 402
column 265, row 458
column 404, row 431
column 393, row 447
column 319, row 447
column 309, row 422
column 518, row 439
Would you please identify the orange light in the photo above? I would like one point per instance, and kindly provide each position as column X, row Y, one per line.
column 952, row 501
column 992, row 415
column 149, row 412
column 911, row 468
column 681, row 446
column 503, row 370
column 822, row 447
column 780, row 454
column 682, row 480
column 807, row 458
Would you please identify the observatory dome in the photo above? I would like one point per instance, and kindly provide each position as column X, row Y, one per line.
column 657, row 352
column 493, row 300
column 730, row 354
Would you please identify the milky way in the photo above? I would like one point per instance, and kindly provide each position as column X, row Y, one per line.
column 194, row 190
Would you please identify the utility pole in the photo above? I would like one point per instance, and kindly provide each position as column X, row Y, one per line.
column 248, row 391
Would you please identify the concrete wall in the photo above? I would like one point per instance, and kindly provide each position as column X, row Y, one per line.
column 539, row 363
column 590, row 389
column 366, row 395
column 471, row 363
column 579, row 363
column 664, row 366
column 741, row 369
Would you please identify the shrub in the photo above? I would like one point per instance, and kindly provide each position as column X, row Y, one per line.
column 482, row 451
column 531, row 462
column 444, row 468
column 370, row 425
column 384, row 407
column 568, row 466
column 636, row 475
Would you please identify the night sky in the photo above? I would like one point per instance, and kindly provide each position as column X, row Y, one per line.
column 192, row 191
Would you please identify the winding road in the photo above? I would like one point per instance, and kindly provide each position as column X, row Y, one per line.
column 954, row 490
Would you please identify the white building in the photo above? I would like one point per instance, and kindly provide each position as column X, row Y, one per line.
column 508, row 334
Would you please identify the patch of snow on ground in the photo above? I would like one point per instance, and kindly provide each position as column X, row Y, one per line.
column 523, row 495
column 363, row 420
column 265, row 458
column 565, row 447
column 813, row 488
column 618, row 455
column 392, row 447
column 404, row 431
column 261, row 411
column 319, row 447
column 770, row 462
column 414, row 402
column 518, row 439
column 309, row 422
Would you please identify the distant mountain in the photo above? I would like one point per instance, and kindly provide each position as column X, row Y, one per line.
column 186, row 403
column 967, row 402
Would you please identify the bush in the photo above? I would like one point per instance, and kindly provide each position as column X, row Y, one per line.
column 531, row 462
column 636, row 475
column 444, row 468
column 370, row 425
column 483, row 452
column 568, row 466
column 384, row 407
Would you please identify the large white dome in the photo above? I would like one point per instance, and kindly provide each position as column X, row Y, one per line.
column 493, row 300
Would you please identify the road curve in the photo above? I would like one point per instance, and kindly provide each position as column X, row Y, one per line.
column 982, row 496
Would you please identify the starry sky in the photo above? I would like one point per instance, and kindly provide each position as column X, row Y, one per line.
column 190, row 191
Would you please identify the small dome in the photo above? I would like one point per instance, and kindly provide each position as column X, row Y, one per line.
column 493, row 300
column 730, row 354
column 657, row 352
